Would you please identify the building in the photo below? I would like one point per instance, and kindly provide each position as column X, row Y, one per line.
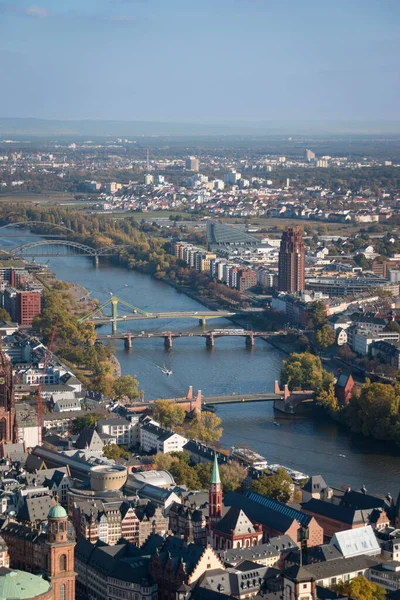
column 386, row 352
column 192, row 164
column 7, row 401
column 291, row 265
column 155, row 439
column 120, row 429
column 178, row 565
column 18, row 585
column 356, row 542
column 344, row 387
column 51, row 553
column 113, row 572
column 23, row 306
column 276, row 518
column 246, row 278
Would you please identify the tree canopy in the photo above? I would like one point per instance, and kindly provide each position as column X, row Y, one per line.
column 304, row 372
column 168, row 414
column 278, row 487
column 360, row 588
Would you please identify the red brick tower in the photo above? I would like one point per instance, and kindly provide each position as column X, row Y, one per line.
column 60, row 566
column 291, row 268
column 215, row 495
column 7, row 402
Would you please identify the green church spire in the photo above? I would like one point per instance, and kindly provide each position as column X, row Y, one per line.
column 215, row 478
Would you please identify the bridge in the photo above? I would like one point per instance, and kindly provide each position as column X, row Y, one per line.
column 28, row 223
column 52, row 248
column 209, row 336
column 98, row 318
column 284, row 400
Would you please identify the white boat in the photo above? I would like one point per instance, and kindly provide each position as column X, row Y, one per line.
column 250, row 458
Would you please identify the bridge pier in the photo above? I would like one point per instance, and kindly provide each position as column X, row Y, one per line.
column 250, row 341
column 168, row 342
column 96, row 260
column 210, row 342
column 203, row 321
column 128, row 342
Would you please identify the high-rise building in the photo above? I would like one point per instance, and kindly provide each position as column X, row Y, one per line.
column 7, row 400
column 23, row 306
column 310, row 155
column 192, row 164
column 291, row 271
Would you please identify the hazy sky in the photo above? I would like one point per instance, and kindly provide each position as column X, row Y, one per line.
column 200, row 60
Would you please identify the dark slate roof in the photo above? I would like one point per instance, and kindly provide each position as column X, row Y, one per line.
column 315, row 484
column 235, row 520
column 342, row 380
column 152, row 544
column 35, row 508
column 264, row 510
column 273, row 548
column 333, row 568
column 336, row 512
column 178, row 551
column 89, row 438
column 298, row 573
column 154, row 492
column 359, row 500
column 204, row 452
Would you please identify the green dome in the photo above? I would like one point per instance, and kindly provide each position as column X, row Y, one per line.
column 57, row 512
column 19, row 585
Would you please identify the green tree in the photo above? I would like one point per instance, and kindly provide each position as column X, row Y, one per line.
column 324, row 337
column 168, row 414
column 360, row 589
column 278, row 487
column 304, row 372
column 317, row 312
column 112, row 451
column 126, row 386
column 89, row 420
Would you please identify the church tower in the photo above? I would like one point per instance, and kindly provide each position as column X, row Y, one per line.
column 215, row 495
column 60, row 564
column 7, row 402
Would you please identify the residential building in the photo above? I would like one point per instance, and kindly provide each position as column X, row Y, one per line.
column 119, row 428
column 356, row 542
column 155, row 439
column 291, row 267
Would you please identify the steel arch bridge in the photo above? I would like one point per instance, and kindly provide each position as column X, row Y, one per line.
column 49, row 248
column 27, row 223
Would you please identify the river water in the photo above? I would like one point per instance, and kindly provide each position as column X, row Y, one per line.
column 307, row 443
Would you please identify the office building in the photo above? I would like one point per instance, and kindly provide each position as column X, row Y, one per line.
column 291, row 269
column 192, row 164
column 23, row 306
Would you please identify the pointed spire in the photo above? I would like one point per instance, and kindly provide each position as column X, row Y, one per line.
column 215, row 478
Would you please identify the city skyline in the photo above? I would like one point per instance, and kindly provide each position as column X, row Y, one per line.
column 240, row 60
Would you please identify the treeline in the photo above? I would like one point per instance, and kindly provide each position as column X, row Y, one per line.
column 147, row 251
column 373, row 410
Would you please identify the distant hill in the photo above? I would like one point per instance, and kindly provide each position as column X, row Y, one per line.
column 44, row 127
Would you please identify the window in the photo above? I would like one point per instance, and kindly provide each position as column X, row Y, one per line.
column 62, row 590
column 304, row 586
column 333, row 580
column 63, row 562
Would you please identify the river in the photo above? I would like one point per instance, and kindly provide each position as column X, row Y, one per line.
column 306, row 443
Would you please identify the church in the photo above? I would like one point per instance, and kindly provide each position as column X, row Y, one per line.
column 51, row 552
column 7, row 400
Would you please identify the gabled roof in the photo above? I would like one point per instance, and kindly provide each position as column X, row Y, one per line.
column 236, row 522
column 89, row 439
column 35, row 508
column 334, row 511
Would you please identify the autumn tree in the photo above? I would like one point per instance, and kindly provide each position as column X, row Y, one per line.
column 112, row 451
column 360, row 588
column 278, row 486
column 328, row 400
column 206, row 428
column 233, row 475
column 126, row 386
column 168, row 414
column 4, row 315
column 324, row 337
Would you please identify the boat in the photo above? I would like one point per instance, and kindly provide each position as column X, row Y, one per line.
column 250, row 458
column 342, row 455
column 276, row 424
column 165, row 371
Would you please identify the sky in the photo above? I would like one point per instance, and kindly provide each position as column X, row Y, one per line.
column 200, row 60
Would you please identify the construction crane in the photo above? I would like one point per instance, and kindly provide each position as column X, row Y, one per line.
column 41, row 384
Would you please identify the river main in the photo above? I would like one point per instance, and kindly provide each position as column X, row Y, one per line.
column 306, row 443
